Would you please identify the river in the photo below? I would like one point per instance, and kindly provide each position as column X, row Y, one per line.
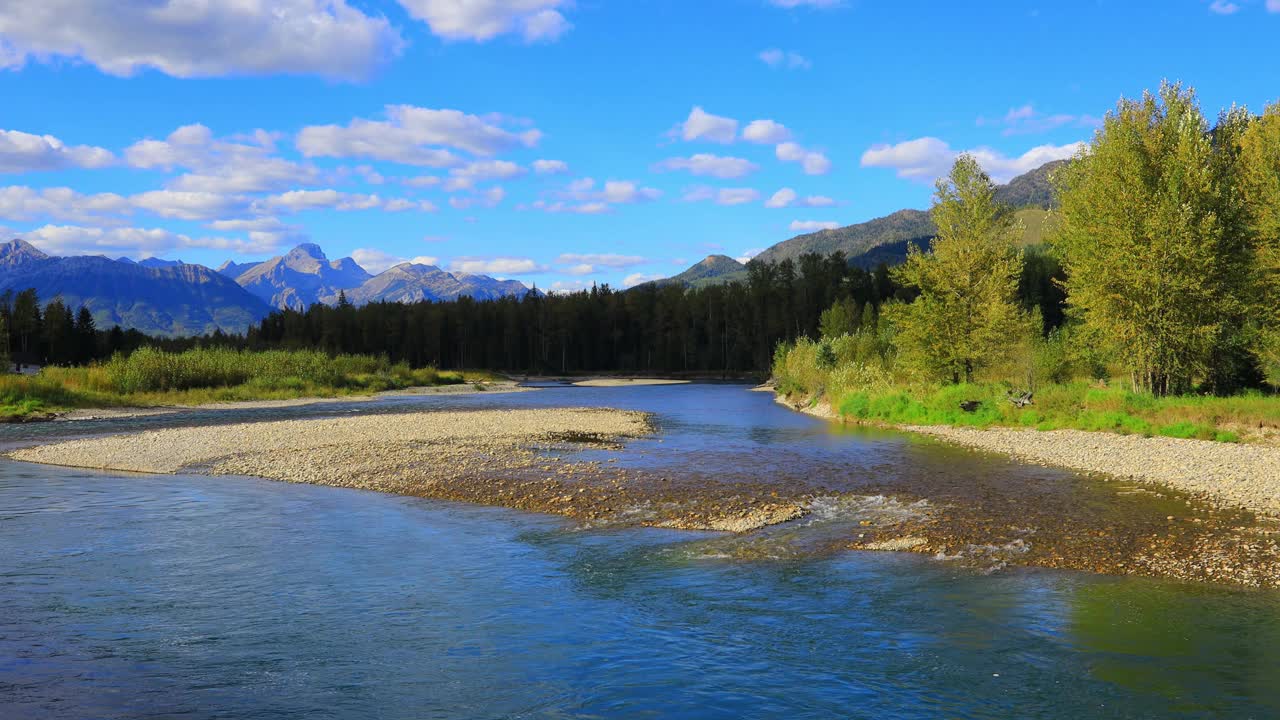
column 129, row 596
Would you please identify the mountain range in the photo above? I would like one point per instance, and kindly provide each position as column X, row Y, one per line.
column 172, row 298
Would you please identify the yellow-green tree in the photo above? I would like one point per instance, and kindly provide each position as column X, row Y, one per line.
column 967, row 314
column 1149, row 237
column 1260, row 187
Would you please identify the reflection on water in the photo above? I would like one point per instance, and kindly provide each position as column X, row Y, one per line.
column 139, row 596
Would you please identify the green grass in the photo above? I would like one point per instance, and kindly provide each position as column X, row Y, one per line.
column 151, row 377
column 862, row 386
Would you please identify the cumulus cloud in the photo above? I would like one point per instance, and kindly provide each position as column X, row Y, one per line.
column 584, row 197
column 706, row 164
column 722, row 196
column 376, row 261
column 776, row 58
column 190, row 205
column 488, row 198
column 746, row 255
column 23, row 152
column 813, row 163
column 766, row 132
column 220, row 165
column 1223, row 7
column 465, row 177
column 702, row 125
column 786, row 197
column 185, row 38
column 482, row 20
column 550, row 167
column 19, row 202
column 495, row 266
column 925, row 159
column 640, row 278
column 415, row 136
column 72, row 240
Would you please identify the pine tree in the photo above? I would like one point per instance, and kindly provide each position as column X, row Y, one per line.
column 967, row 312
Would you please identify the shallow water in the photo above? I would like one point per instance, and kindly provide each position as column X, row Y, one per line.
column 140, row 596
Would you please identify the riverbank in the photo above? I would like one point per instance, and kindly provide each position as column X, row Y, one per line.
column 488, row 386
column 514, row 458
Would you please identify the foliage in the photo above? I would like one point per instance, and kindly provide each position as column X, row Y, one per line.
column 1260, row 190
column 967, row 311
column 1148, row 237
column 151, row 377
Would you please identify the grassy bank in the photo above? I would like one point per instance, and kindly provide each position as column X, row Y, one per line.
column 151, row 377
column 861, row 385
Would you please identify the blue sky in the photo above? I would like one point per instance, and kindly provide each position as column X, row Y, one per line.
column 560, row 142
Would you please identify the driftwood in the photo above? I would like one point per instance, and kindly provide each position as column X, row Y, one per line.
column 970, row 405
column 1020, row 400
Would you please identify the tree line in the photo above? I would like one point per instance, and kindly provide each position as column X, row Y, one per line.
column 54, row 334
column 1168, row 235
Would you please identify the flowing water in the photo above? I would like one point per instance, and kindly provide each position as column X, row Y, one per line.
column 127, row 596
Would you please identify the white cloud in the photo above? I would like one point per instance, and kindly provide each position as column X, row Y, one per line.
column 604, row 260
column 465, row 178
column 807, row 226
column 746, row 255
column 481, row 20
column 1273, row 6
column 766, row 132
column 776, row 58
column 23, row 152
column 722, row 196
column 925, row 159
column 190, row 205
column 196, row 38
column 582, row 197
column 422, row 181
column 495, row 266
column 702, row 125
column 710, row 165
column 564, row 287
column 71, row 239
column 487, row 198
column 408, row 133
column 1026, row 120
column 1223, row 7
column 18, row 202
column 376, row 261
column 298, row 200
column 582, row 269
column 220, row 166
column 819, row 4
column 550, row 167
column 786, row 197
column 814, row 163
column 639, row 278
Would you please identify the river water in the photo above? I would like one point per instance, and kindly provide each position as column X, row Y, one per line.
column 129, row 596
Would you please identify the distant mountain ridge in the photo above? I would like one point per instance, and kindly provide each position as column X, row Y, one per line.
column 171, row 299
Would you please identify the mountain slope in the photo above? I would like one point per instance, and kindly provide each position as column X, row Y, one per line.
column 711, row 270
column 408, row 282
column 886, row 238
column 175, row 299
column 299, row 278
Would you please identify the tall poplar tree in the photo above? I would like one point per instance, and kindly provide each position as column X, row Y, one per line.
column 1149, row 239
column 967, row 314
column 1260, row 187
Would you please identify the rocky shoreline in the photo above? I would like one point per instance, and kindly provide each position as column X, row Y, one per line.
column 522, row 459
